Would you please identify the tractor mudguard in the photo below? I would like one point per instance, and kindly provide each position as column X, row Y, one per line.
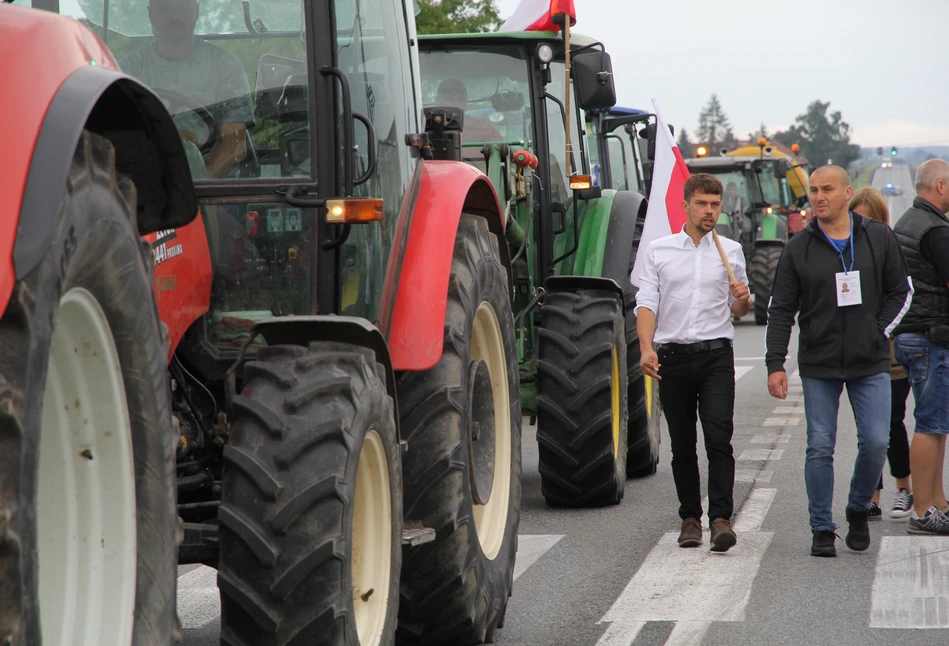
column 627, row 209
column 301, row 330
column 769, row 242
column 573, row 283
column 773, row 228
column 414, row 296
column 594, row 234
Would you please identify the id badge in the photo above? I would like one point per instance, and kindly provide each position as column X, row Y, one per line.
column 848, row 289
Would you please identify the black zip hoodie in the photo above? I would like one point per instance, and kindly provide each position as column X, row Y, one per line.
column 838, row 342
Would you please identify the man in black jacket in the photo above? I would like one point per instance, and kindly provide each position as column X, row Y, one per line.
column 922, row 342
column 843, row 340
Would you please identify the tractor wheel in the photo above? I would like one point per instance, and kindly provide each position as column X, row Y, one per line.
column 462, row 421
column 311, row 508
column 582, row 399
column 88, row 522
column 643, row 457
column 763, row 268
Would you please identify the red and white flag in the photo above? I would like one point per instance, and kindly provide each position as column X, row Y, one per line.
column 538, row 15
column 664, row 215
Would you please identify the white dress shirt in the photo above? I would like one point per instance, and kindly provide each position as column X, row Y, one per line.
column 687, row 287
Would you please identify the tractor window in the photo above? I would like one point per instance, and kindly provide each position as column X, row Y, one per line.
column 560, row 167
column 736, row 198
column 774, row 189
column 492, row 87
column 373, row 52
column 620, row 159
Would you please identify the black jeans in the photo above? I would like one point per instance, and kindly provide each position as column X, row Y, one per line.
column 898, row 451
column 706, row 380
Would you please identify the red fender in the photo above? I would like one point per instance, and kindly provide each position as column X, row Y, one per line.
column 40, row 50
column 420, row 264
column 182, row 277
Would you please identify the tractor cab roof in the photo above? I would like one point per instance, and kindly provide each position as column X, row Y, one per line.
column 496, row 39
column 722, row 163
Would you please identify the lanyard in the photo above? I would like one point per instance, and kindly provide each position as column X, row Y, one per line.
column 841, row 253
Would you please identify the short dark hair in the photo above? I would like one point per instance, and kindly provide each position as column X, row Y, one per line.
column 702, row 183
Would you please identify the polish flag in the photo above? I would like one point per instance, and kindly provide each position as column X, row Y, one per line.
column 538, row 15
column 664, row 215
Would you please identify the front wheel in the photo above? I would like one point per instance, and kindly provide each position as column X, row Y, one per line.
column 311, row 509
column 764, row 266
column 87, row 446
column 462, row 421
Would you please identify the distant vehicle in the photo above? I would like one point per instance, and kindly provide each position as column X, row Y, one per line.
column 889, row 189
column 886, row 165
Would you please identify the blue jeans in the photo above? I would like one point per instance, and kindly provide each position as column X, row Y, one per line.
column 870, row 400
column 927, row 366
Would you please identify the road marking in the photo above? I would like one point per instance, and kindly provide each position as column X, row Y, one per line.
column 770, row 438
column 749, row 358
column 910, row 585
column 754, row 510
column 781, row 421
column 741, row 371
column 199, row 602
column 753, row 475
column 531, row 547
column 761, row 454
column 794, row 398
column 688, row 633
column 691, row 586
column 787, row 410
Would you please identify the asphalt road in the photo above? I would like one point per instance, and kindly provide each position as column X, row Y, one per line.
column 614, row 577
column 898, row 176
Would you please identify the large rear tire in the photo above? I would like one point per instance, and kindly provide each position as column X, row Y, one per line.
column 311, row 509
column 582, row 399
column 644, row 459
column 88, row 522
column 764, row 266
column 455, row 589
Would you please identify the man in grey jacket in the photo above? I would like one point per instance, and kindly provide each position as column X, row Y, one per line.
column 846, row 276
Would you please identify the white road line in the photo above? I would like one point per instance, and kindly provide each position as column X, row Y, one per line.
column 794, row 398
column 754, row 510
column 753, row 475
column 688, row 633
column 911, row 583
column 781, row 421
column 787, row 410
column 741, row 371
column 531, row 547
column 199, row 602
column 691, row 586
column 749, row 358
column 761, row 454
column 770, row 438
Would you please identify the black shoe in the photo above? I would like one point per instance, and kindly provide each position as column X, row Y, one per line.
column 823, row 543
column 858, row 538
column 874, row 512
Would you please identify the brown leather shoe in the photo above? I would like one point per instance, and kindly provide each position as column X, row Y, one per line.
column 691, row 535
column 723, row 536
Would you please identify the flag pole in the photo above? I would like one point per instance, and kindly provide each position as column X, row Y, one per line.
column 721, row 252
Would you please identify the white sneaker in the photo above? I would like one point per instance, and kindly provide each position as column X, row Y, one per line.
column 902, row 504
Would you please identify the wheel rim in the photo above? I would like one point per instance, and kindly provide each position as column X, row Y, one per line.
column 372, row 541
column 614, row 388
column 487, row 345
column 86, row 517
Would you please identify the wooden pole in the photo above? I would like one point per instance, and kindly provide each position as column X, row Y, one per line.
column 721, row 252
column 566, row 91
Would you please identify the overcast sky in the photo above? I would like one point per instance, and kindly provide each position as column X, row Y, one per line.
column 882, row 63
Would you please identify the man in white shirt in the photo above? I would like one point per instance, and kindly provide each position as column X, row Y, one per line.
column 685, row 304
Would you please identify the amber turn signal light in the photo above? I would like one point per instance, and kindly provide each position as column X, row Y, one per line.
column 354, row 210
column 581, row 182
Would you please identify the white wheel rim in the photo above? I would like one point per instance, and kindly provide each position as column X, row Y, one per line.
column 372, row 541
column 86, row 524
column 486, row 344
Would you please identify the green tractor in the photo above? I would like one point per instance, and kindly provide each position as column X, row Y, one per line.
column 757, row 205
column 572, row 246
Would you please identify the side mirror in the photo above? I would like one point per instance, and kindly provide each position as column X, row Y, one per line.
column 782, row 167
column 593, row 77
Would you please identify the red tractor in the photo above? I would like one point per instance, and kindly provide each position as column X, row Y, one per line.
column 321, row 399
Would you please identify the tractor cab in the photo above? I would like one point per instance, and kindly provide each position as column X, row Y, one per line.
column 295, row 129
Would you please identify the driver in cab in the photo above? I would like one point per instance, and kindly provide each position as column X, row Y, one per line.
column 207, row 75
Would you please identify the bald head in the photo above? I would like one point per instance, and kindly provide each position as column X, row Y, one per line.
column 831, row 172
column 932, row 183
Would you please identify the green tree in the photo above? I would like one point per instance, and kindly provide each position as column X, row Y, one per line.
column 457, row 16
column 822, row 137
column 762, row 131
column 686, row 147
column 714, row 129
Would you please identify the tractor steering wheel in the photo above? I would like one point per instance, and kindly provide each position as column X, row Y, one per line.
column 192, row 117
